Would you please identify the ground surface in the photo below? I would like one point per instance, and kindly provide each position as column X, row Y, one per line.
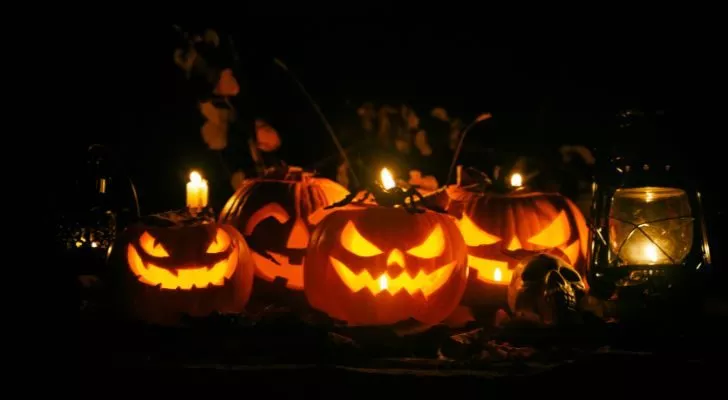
column 286, row 355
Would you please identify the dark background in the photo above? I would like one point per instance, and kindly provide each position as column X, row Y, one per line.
column 543, row 92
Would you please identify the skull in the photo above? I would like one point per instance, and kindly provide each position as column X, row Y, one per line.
column 546, row 289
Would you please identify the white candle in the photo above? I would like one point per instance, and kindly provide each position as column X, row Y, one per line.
column 196, row 191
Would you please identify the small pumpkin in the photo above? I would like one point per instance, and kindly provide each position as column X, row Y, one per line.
column 275, row 214
column 164, row 269
column 374, row 265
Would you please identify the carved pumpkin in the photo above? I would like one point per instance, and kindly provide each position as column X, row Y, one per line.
column 275, row 215
column 164, row 270
column 502, row 229
column 374, row 265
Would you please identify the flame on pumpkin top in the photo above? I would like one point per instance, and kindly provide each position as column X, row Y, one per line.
column 195, row 177
column 387, row 179
column 516, row 180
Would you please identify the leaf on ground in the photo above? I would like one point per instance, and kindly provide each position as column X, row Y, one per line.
column 267, row 138
column 459, row 318
column 227, row 85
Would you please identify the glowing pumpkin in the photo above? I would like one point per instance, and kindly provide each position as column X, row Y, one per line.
column 374, row 265
column 164, row 270
column 276, row 214
column 502, row 229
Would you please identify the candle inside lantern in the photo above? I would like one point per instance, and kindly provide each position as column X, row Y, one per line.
column 516, row 180
column 387, row 179
column 196, row 191
column 649, row 252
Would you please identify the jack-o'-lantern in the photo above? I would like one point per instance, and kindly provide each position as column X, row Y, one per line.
column 375, row 265
column 501, row 229
column 505, row 226
column 164, row 269
column 276, row 214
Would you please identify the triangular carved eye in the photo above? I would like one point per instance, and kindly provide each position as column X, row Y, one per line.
column 151, row 246
column 220, row 244
column 556, row 234
column 355, row 243
column 432, row 247
column 473, row 235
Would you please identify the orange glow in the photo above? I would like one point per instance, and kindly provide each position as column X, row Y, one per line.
column 150, row 246
column 422, row 282
column 355, row 243
column 516, row 180
column 181, row 278
column 475, row 236
column 395, row 258
column 491, row 271
column 220, row 244
column 387, row 179
column 432, row 247
column 554, row 235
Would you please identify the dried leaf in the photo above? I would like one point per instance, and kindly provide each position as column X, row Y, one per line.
column 440, row 113
column 483, row 117
column 212, row 38
column 185, row 59
column 427, row 182
column 237, row 179
column 215, row 130
column 227, row 85
column 459, row 318
column 267, row 138
column 216, row 115
column 215, row 135
column 422, row 144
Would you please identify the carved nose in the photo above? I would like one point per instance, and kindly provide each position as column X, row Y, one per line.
column 514, row 244
column 395, row 257
column 299, row 236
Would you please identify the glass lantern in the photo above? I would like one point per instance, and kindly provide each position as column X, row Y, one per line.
column 648, row 229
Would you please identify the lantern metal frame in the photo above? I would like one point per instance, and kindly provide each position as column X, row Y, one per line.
column 607, row 272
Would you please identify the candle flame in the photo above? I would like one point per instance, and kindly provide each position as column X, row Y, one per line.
column 516, row 180
column 497, row 275
column 195, row 177
column 383, row 282
column 387, row 179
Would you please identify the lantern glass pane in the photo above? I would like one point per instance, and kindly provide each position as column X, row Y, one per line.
column 650, row 226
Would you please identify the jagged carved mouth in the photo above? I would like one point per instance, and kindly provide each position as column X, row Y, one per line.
column 181, row 278
column 422, row 282
column 491, row 271
column 289, row 268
